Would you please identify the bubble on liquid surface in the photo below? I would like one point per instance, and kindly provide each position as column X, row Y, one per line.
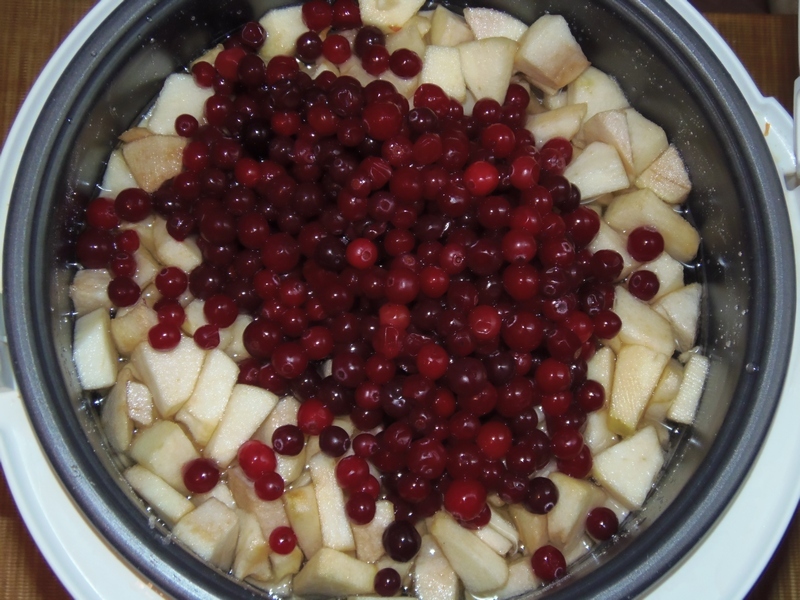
column 751, row 368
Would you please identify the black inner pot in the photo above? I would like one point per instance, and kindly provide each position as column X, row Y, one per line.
column 668, row 74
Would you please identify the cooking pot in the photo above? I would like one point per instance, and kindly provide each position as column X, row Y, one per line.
column 114, row 65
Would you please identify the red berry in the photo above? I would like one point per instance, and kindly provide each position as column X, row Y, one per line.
column 602, row 523
column 282, row 540
column 256, row 459
column 164, row 336
column 269, row 486
column 464, row 499
column 481, row 178
column 645, row 244
column 548, row 563
column 313, row 416
column 200, row 475
column 317, row 14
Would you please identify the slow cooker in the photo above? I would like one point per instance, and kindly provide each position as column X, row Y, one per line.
column 716, row 526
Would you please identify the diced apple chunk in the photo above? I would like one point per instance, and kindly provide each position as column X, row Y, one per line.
column 549, row 54
column 641, row 324
column 409, row 37
column 211, row 531
column 284, row 565
column 283, row 27
column 247, row 408
column 434, row 578
column 669, row 272
column 234, row 347
column 608, row 238
column 532, row 528
column 597, row 170
column 488, row 22
column 499, row 534
column 115, row 418
column 636, row 375
column 333, row 573
column 179, row 95
column 563, row 122
column 154, row 159
column 117, row 176
column 575, row 498
column 667, row 389
column 598, row 90
column 667, row 177
column 487, row 66
column 388, row 15
column 140, row 403
column 480, row 568
column 300, row 504
column 684, row 406
column 165, row 500
column 448, row 28
column 336, row 532
column 93, row 350
column 368, row 538
column 644, row 208
column 648, row 140
column 130, row 329
column 628, row 469
column 164, row 448
column 252, row 550
column 185, row 255
column 89, row 291
column 521, row 579
column 221, row 492
column 682, row 309
column 269, row 513
column 203, row 410
column 169, row 375
column 611, row 127
column 600, row 368
column 442, row 66
column 597, row 435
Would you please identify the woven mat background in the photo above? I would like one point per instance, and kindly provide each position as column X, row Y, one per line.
column 29, row 32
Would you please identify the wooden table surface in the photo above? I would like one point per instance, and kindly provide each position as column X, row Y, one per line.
column 30, row 30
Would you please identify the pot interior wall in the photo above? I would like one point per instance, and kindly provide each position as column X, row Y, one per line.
column 668, row 76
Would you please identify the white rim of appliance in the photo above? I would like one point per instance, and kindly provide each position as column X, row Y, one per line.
column 724, row 565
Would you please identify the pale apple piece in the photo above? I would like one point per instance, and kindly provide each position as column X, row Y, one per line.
column 628, row 469
column 577, row 549
column 369, row 537
column 269, row 513
column 210, row 56
column 352, row 68
column 434, row 578
column 487, row 66
column 611, row 127
column 321, row 66
column 600, row 368
column 252, row 550
column 598, row 90
column 336, row 531
column 117, row 176
column 136, row 133
column 167, row 502
column 180, row 95
column 164, row 448
column 667, row 177
column 608, row 238
column 597, row 170
column 448, row 28
column 665, row 392
column 169, row 375
column 409, row 37
column 283, row 27
column 247, row 407
column 549, row 55
column 333, row 573
column 195, row 317
column 499, row 534
column 521, row 579
column 115, row 419
column 146, row 267
column 221, row 492
column 576, row 497
column 285, row 412
column 684, row 406
column 597, row 435
column 564, row 121
column 172, row 253
column 669, row 272
column 154, row 159
column 300, row 504
column 648, row 140
column 130, row 329
column 682, row 309
column 281, row 588
column 211, row 530
column 644, row 208
column 140, row 403
column 555, row 100
column 235, row 341
column 480, row 568
column 388, row 15
column 532, row 528
column 488, row 22
column 442, row 66
column 284, row 565
column 144, row 229
column 89, row 291
column 641, row 324
column 636, row 375
column 93, row 351
column 404, row 86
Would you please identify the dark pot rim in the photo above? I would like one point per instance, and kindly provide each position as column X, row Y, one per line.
column 108, row 507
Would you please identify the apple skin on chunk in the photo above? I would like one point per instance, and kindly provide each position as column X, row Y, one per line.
column 644, row 208
column 487, row 66
column 154, row 159
column 684, row 407
column 247, row 408
column 93, row 350
column 165, row 500
column 388, row 15
column 637, row 372
column 300, row 504
column 628, row 469
column 180, row 95
column 164, row 448
column 89, row 291
column 171, row 375
column 336, row 532
column 549, row 54
column 211, row 531
column 488, row 22
column 434, row 578
column 480, row 568
column 597, row 170
column 204, row 409
column 333, row 573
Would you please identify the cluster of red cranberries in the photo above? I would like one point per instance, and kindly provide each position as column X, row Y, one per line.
column 438, row 260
